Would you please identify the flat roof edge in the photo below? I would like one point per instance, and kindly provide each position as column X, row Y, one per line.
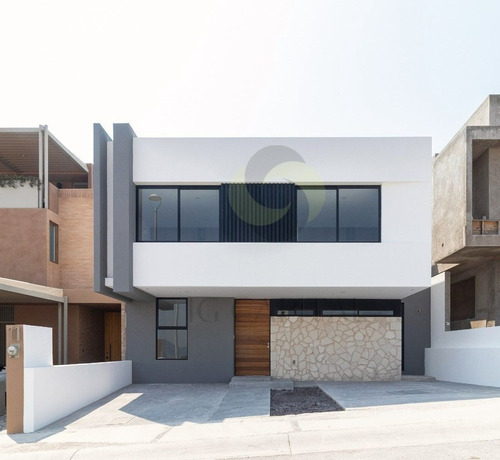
column 32, row 290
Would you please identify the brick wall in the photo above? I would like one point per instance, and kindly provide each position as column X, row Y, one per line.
column 76, row 243
column 24, row 246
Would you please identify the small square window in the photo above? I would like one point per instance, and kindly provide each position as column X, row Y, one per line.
column 172, row 344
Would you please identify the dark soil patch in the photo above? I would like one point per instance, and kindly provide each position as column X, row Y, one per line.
column 302, row 401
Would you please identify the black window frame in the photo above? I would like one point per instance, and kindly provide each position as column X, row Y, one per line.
column 378, row 306
column 179, row 211
column 337, row 210
column 379, row 203
column 171, row 328
column 318, row 187
column 294, row 307
column 179, row 188
column 53, row 242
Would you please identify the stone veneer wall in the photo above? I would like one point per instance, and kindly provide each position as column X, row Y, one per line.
column 336, row 348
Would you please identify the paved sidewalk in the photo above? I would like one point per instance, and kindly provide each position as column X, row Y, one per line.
column 366, row 394
column 389, row 420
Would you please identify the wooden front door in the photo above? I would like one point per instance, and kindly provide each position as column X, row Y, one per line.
column 112, row 336
column 251, row 337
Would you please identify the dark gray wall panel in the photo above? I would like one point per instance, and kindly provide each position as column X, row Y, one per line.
column 124, row 219
column 417, row 331
column 210, row 343
column 101, row 139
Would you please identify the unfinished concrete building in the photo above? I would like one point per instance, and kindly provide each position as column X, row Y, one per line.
column 466, row 252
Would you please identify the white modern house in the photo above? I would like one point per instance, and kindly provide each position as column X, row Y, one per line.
column 288, row 257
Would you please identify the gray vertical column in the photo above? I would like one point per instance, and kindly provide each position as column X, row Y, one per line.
column 417, row 331
column 46, row 166
column 101, row 140
column 124, row 208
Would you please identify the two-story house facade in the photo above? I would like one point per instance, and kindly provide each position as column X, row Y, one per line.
column 287, row 257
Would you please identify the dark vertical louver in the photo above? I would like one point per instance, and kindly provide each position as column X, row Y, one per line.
column 258, row 212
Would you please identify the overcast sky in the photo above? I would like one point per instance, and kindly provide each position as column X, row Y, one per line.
column 247, row 68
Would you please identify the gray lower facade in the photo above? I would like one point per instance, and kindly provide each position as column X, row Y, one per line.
column 211, row 344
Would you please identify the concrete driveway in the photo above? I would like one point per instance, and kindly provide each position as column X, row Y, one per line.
column 382, row 420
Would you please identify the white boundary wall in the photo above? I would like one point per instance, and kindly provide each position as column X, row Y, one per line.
column 52, row 392
column 19, row 197
column 466, row 356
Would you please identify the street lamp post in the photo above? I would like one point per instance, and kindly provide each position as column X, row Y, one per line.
column 155, row 202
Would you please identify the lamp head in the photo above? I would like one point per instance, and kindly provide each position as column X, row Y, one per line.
column 154, row 197
column 155, row 201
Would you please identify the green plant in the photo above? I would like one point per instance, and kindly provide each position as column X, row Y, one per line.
column 15, row 180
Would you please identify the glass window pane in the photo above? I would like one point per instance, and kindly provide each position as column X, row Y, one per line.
column 376, row 312
column 339, row 313
column 316, row 214
column 157, row 214
column 359, row 214
column 172, row 344
column 199, row 215
column 53, row 250
column 172, row 313
column 304, row 312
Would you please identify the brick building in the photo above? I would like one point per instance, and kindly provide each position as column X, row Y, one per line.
column 46, row 249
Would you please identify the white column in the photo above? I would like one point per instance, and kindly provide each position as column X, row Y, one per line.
column 46, row 166
column 40, row 166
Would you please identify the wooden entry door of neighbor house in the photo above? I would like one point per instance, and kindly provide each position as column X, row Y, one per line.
column 252, row 335
column 112, row 336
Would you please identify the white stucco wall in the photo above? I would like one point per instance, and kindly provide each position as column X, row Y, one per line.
column 51, row 393
column 465, row 356
column 37, row 346
column 261, row 270
column 19, row 197
column 400, row 165
column 164, row 161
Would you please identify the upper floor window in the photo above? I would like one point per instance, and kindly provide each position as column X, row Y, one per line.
column 178, row 214
column 316, row 214
column 359, row 214
column 157, row 214
column 199, row 214
column 259, row 213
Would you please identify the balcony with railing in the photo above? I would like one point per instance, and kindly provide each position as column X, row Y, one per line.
column 33, row 166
